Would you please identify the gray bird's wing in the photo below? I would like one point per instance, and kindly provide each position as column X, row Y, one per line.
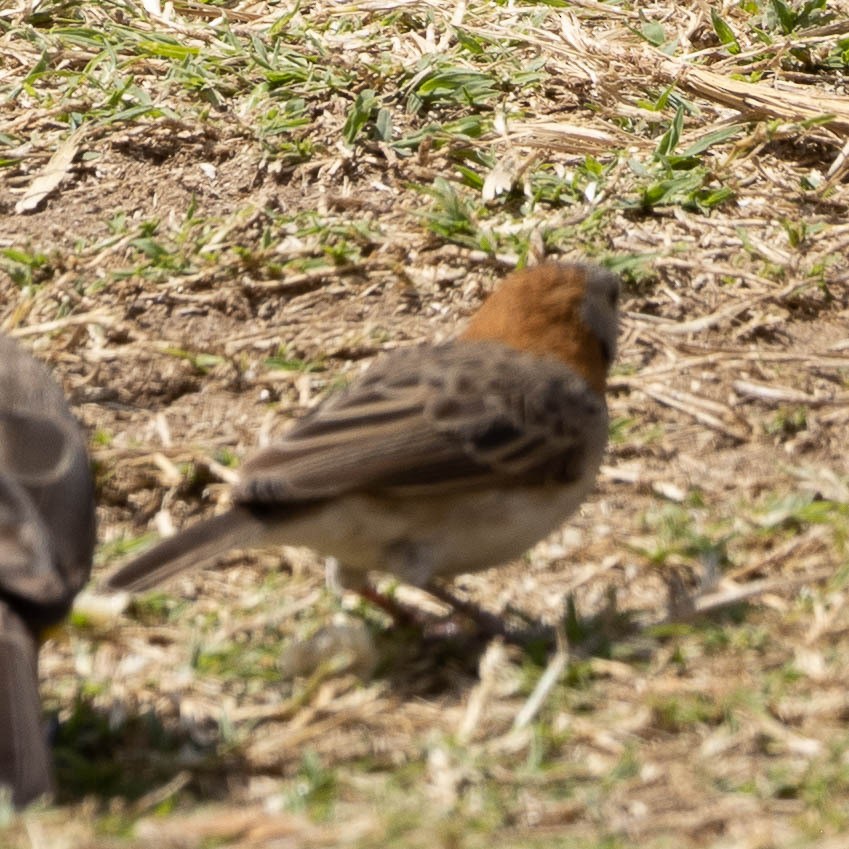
column 435, row 419
column 47, row 491
column 28, row 576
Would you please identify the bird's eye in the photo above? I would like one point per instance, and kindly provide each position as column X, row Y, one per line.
column 613, row 297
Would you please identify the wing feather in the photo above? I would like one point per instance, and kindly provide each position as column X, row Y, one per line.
column 46, row 491
column 434, row 419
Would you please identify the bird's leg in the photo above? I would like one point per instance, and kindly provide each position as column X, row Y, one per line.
column 339, row 578
column 400, row 613
column 488, row 624
column 407, row 562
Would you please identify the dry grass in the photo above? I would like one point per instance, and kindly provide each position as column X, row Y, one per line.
column 212, row 213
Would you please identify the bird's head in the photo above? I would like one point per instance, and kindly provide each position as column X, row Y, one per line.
column 563, row 310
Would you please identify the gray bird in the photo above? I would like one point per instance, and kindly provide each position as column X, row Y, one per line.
column 47, row 536
column 439, row 459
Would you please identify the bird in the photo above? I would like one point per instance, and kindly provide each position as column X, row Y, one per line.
column 439, row 459
column 47, row 538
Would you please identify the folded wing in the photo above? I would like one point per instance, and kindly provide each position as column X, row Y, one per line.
column 436, row 419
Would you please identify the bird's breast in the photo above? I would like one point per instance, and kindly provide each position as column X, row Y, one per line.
column 419, row 538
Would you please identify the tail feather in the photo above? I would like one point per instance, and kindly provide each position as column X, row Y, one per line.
column 191, row 548
column 24, row 757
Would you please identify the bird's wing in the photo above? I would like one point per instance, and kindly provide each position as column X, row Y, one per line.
column 24, row 758
column 36, row 448
column 28, row 578
column 44, row 455
column 43, row 451
column 434, row 419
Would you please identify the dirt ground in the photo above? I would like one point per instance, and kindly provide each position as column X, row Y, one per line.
column 195, row 291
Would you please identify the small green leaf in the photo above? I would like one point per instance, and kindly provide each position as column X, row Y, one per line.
column 653, row 32
column 168, row 49
column 807, row 17
column 724, row 32
column 359, row 115
column 710, row 139
column 669, row 140
column 470, row 177
column 150, row 248
column 786, row 16
column 383, row 124
column 280, row 25
column 469, row 42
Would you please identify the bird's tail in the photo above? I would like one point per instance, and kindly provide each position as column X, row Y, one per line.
column 24, row 758
column 188, row 549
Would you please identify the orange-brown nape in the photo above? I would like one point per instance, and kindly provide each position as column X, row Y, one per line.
column 542, row 310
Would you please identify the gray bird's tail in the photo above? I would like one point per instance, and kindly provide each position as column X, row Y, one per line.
column 188, row 549
column 24, row 757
